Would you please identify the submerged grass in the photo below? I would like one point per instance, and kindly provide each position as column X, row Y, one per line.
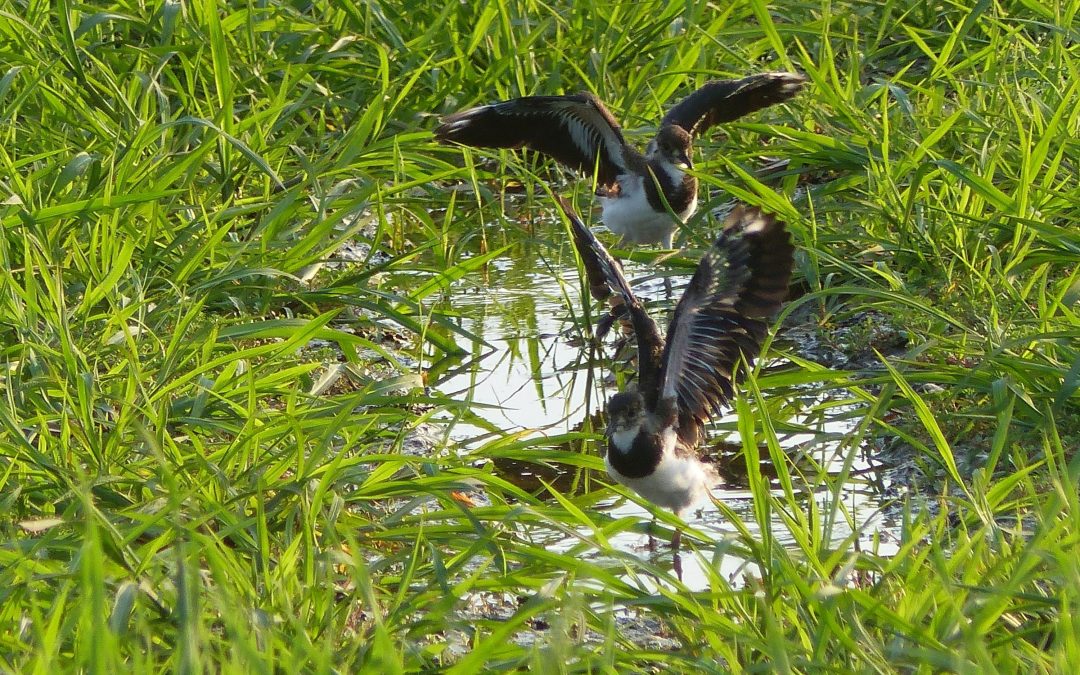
column 227, row 242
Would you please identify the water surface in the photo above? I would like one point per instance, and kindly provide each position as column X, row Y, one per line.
column 541, row 379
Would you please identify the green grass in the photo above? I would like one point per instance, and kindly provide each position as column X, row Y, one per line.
column 186, row 487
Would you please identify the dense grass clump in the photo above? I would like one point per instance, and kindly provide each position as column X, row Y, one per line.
column 227, row 244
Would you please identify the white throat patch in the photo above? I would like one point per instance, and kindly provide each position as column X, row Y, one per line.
column 624, row 438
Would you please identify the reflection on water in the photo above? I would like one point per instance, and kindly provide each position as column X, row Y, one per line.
column 537, row 375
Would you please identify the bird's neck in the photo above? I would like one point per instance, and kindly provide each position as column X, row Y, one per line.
column 637, row 452
column 679, row 187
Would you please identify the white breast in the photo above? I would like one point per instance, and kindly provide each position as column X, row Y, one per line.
column 630, row 215
column 678, row 483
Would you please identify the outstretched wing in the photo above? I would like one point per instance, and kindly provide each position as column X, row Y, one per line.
column 605, row 277
column 722, row 101
column 722, row 316
column 599, row 265
column 577, row 131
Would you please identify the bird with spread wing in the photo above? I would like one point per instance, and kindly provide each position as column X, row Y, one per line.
column 638, row 192
column 688, row 374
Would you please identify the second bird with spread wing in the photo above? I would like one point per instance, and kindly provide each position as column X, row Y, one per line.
column 687, row 375
column 635, row 190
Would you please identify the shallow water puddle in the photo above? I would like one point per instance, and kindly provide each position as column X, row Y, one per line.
column 540, row 381
column 535, row 376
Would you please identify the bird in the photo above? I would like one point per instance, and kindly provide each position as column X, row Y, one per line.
column 687, row 375
column 638, row 192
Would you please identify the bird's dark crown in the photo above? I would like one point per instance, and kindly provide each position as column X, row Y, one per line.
column 673, row 143
column 673, row 139
column 625, row 405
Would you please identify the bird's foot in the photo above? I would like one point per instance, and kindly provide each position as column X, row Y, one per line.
column 676, row 559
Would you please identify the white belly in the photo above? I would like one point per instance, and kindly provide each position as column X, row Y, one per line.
column 677, row 484
column 631, row 217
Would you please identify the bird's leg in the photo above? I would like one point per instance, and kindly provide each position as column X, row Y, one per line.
column 676, row 559
column 651, row 543
column 669, row 292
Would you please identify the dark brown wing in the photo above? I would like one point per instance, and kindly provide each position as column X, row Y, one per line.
column 603, row 271
column 722, row 101
column 592, row 253
column 578, row 131
column 721, row 317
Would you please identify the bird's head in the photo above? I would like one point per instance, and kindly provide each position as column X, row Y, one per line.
column 625, row 413
column 673, row 144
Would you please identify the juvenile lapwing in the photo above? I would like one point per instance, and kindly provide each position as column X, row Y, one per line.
column 685, row 377
column 579, row 132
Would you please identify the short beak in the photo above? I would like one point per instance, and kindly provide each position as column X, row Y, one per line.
column 684, row 157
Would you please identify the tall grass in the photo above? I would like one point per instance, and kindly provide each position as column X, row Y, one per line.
column 201, row 447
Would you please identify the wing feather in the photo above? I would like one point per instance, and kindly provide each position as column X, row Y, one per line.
column 722, row 101
column 605, row 277
column 721, row 318
column 577, row 131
